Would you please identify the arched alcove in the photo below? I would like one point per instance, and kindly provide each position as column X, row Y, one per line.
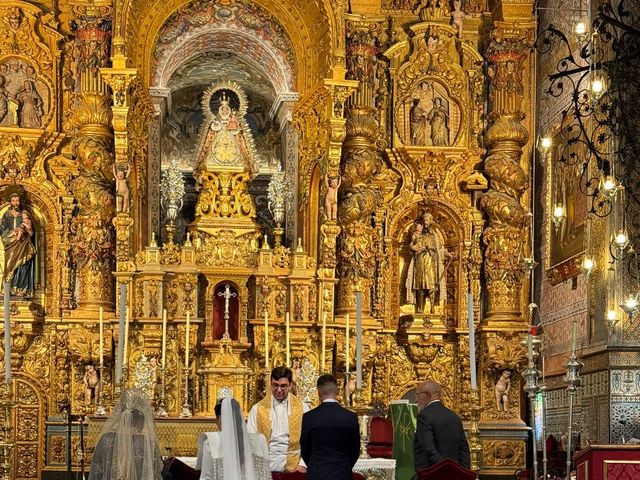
column 220, row 299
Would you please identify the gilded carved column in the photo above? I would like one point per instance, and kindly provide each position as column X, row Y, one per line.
column 361, row 165
column 502, row 355
column 92, row 188
column 503, row 238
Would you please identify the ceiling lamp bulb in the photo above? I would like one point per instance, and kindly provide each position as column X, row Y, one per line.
column 621, row 241
column 587, row 265
column 597, row 87
column 609, row 186
column 545, row 143
column 630, row 305
column 558, row 215
column 580, row 28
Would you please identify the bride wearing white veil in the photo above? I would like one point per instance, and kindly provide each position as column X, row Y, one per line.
column 233, row 453
column 128, row 446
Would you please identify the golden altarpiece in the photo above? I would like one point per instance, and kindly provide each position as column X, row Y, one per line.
column 386, row 114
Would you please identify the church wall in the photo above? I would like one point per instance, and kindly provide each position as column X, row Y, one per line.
column 397, row 183
column 563, row 299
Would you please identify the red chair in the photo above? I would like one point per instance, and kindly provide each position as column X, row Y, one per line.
column 380, row 438
column 446, row 469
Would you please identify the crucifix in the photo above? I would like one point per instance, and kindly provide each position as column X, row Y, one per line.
column 227, row 295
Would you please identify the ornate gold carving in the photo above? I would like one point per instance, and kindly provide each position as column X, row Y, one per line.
column 93, row 115
column 225, row 195
column 503, row 236
column 226, row 248
column 509, row 49
column 503, row 453
column 311, row 119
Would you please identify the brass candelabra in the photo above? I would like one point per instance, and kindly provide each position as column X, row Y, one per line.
column 6, row 444
column 161, row 410
column 475, row 446
column 100, row 410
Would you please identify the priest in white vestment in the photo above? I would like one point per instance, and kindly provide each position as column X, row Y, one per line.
column 232, row 453
column 279, row 418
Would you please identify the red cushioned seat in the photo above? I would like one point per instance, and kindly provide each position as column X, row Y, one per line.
column 380, row 438
column 302, row 476
column 446, row 469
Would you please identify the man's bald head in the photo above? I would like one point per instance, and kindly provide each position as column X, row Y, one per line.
column 427, row 392
column 432, row 387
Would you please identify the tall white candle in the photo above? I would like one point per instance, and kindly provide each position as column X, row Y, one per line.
column 125, row 357
column 266, row 340
column 7, row 332
column 287, row 339
column 472, row 342
column 358, row 340
column 574, row 327
column 164, row 338
column 530, row 348
column 347, row 359
column 323, row 341
column 186, row 342
column 101, row 356
column 120, row 353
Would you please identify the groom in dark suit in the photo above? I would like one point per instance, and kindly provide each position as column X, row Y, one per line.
column 439, row 433
column 330, row 439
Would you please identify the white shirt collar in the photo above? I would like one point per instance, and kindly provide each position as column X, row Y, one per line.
column 330, row 400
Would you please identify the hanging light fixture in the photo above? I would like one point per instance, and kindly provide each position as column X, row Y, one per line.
column 609, row 186
column 630, row 305
column 545, row 144
column 600, row 77
column 559, row 214
column 587, row 265
column 620, row 241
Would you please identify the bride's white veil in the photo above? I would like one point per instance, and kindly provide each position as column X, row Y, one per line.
column 237, row 460
column 130, row 444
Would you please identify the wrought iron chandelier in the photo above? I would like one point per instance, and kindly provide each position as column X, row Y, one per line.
column 599, row 72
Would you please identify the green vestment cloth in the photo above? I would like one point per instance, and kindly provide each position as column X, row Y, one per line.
column 404, row 416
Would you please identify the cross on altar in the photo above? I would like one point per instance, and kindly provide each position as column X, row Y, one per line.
column 227, row 294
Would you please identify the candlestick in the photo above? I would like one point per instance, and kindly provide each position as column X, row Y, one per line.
column 101, row 356
column 266, row 340
column 186, row 342
column 120, row 354
column 358, row 340
column 323, row 341
column 472, row 342
column 287, row 341
column 7, row 332
column 125, row 357
column 164, row 338
column 347, row 359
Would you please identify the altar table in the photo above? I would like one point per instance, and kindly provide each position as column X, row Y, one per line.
column 376, row 468
column 608, row 462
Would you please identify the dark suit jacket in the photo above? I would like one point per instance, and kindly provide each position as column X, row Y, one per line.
column 439, row 434
column 330, row 442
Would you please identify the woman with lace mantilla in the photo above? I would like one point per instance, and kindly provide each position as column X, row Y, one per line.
column 232, row 453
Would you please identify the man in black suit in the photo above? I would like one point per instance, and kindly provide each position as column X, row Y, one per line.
column 330, row 439
column 439, row 433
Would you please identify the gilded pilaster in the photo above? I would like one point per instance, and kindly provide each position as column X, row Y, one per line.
column 119, row 78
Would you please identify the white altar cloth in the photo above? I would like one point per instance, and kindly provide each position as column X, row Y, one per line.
column 371, row 468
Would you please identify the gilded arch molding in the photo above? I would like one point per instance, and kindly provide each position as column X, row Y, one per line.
column 312, row 46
